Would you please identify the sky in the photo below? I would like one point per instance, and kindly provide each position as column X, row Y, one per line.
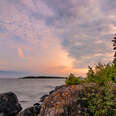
column 56, row 37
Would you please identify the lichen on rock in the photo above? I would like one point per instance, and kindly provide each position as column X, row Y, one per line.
column 62, row 102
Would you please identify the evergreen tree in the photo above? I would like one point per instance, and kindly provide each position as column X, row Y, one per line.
column 114, row 44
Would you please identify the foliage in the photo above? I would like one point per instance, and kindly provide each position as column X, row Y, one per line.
column 73, row 80
column 98, row 101
column 102, row 73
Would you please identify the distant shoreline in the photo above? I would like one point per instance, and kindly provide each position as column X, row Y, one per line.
column 42, row 77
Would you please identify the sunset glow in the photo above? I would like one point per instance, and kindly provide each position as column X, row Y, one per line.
column 55, row 37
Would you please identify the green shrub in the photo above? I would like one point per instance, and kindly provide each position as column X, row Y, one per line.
column 73, row 80
column 98, row 101
column 102, row 73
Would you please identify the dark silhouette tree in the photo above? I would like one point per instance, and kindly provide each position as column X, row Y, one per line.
column 114, row 45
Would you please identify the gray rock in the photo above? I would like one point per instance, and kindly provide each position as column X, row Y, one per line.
column 31, row 111
column 43, row 98
column 9, row 105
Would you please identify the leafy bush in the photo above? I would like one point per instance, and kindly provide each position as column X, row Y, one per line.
column 73, row 80
column 102, row 73
column 98, row 101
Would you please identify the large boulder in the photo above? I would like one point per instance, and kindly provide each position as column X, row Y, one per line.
column 9, row 105
column 62, row 102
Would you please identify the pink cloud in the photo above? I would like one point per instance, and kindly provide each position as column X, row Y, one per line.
column 44, row 50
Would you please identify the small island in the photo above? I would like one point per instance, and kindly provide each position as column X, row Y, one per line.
column 43, row 77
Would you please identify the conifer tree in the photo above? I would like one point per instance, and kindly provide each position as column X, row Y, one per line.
column 114, row 45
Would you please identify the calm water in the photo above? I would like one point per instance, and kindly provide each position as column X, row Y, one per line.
column 29, row 91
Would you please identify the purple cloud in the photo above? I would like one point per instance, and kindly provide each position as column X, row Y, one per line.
column 59, row 35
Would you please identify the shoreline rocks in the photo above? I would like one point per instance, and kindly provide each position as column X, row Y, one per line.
column 9, row 104
column 62, row 101
column 31, row 111
column 65, row 101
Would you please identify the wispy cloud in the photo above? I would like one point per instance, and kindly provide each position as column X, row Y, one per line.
column 60, row 36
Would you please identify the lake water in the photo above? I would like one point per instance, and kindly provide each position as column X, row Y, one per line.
column 29, row 91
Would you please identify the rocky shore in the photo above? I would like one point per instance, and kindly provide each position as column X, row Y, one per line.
column 62, row 101
column 65, row 101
